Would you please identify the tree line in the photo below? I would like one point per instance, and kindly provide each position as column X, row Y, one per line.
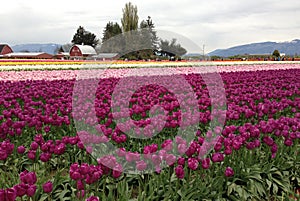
column 131, row 40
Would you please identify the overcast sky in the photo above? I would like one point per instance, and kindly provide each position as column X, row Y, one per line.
column 215, row 23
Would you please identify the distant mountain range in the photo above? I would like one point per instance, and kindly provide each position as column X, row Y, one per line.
column 50, row 48
column 289, row 48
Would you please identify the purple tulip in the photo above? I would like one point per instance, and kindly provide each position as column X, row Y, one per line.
column 217, row 157
column 167, row 145
column 121, row 152
column 228, row 150
column 205, row 163
column 130, row 156
column 79, row 185
column 31, row 190
column 75, row 175
column 179, row 171
column 45, row 157
column 268, row 140
column 34, row 145
column 218, row 146
column 28, row 177
column 31, row 154
column 21, row 149
column 156, row 159
column 181, row 161
column 236, row 144
column 3, row 155
column 250, row 145
column 84, row 169
column 93, row 198
column 182, row 148
column 2, row 194
column 47, row 129
column 11, row 194
column 229, row 172
column 21, row 189
column 288, row 142
column 80, row 145
column 97, row 175
column 193, row 163
column 170, row 159
column 274, row 148
column 117, row 171
column 60, row 149
column 80, row 194
column 48, row 187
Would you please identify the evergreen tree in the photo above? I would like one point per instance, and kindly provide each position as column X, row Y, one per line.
column 150, row 33
column 111, row 30
column 83, row 37
column 112, row 41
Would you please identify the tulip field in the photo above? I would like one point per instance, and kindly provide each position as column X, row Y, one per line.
column 161, row 133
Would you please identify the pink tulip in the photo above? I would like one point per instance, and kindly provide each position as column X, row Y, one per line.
column 141, row 165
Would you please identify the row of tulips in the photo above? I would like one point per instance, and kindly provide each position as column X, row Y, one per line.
column 38, row 129
column 58, row 72
column 26, row 187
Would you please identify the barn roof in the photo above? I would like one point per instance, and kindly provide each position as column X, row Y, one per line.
column 106, row 55
column 64, row 53
column 27, row 54
column 86, row 49
column 2, row 46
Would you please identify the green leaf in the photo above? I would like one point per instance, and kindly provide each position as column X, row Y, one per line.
column 275, row 189
column 260, row 189
column 269, row 183
column 230, row 188
column 43, row 197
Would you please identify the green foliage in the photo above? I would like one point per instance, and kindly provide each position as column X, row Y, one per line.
column 84, row 37
column 112, row 40
column 276, row 53
column 143, row 42
column 140, row 44
column 171, row 48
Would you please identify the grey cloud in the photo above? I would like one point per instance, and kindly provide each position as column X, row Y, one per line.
column 217, row 24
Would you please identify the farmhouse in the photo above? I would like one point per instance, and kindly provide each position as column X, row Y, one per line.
column 5, row 49
column 81, row 51
column 28, row 55
column 62, row 55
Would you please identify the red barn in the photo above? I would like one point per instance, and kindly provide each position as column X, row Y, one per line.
column 81, row 51
column 5, row 49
